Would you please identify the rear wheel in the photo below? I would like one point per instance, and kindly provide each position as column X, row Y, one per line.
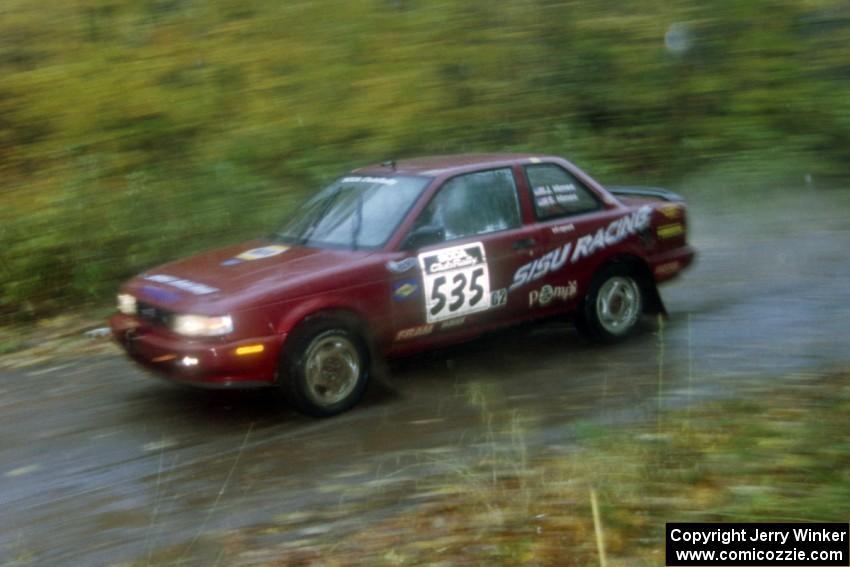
column 324, row 367
column 612, row 306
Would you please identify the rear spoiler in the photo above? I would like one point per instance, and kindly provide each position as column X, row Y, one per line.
column 653, row 192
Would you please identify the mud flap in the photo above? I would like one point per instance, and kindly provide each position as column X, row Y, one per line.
column 654, row 303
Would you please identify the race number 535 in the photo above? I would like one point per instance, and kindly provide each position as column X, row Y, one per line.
column 456, row 280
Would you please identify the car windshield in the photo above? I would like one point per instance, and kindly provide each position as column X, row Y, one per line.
column 355, row 211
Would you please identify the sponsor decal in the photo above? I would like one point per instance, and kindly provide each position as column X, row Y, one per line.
column 373, row 180
column 585, row 246
column 498, row 298
column 456, row 280
column 401, row 266
column 263, row 252
column 670, row 230
column 159, row 294
column 404, row 289
column 536, row 269
column 672, row 212
column 448, row 259
column 544, row 296
column 180, row 283
column 452, row 323
column 668, row 268
column 414, row 332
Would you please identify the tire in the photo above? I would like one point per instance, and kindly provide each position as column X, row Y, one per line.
column 324, row 367
column 613, row 305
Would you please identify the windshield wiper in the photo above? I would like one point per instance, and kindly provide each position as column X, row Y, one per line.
column 304, row 238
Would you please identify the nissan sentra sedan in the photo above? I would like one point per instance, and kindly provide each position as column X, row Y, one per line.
column 401, row 257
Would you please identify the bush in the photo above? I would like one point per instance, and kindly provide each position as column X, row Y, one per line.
column 131, row 133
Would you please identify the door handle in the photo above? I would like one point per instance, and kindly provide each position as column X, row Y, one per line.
column 524, row 243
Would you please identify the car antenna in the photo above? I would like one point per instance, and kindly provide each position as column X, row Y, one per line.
column 389, row 163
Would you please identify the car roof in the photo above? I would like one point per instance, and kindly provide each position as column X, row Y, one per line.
column 446, row 165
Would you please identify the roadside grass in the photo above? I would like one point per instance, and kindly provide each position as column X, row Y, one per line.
column 776, row 453
column 780, row 457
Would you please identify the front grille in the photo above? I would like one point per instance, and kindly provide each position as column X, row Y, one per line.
column 153, row 314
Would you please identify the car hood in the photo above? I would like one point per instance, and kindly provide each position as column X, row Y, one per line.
column 254, row 271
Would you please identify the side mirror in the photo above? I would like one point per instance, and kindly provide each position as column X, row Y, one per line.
column 424, row 235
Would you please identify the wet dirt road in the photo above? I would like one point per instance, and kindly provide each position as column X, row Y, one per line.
column 100, row 464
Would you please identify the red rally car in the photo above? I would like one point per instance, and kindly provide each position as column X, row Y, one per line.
column 401, row 257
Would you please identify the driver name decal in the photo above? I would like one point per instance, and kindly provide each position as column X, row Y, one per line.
column 456, row 281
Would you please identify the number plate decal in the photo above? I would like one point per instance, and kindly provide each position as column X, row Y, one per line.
column 457, row 281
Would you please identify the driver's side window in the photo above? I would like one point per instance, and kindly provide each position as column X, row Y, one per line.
column 474, row 203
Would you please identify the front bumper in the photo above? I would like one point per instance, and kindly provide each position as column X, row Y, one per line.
column 204, row 363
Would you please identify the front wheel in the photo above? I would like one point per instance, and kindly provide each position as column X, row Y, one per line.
column 324, row 369
column 613, row 305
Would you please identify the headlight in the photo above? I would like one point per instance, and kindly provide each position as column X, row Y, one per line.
column 200, row 326
column 126, row 304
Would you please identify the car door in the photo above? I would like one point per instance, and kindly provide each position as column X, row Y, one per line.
column 565, row 210
column 462, row 279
